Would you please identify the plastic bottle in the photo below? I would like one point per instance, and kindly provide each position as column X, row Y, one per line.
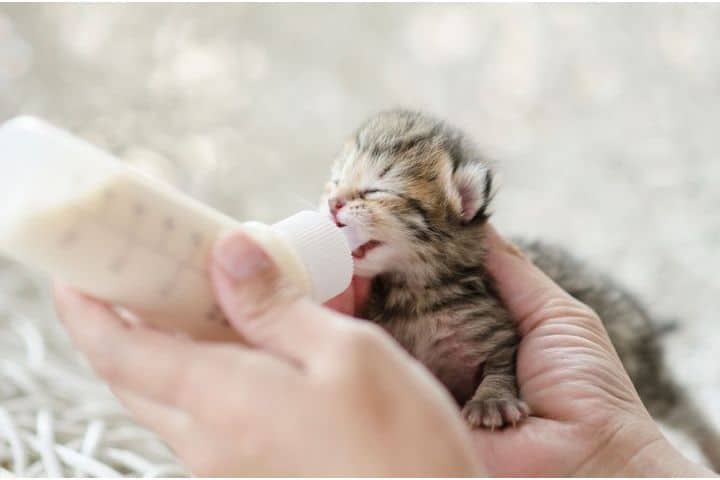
column 77, row 213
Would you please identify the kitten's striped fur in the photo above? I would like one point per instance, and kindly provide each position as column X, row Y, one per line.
column 422, row 190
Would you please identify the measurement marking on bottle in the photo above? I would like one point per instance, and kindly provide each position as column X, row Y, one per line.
column 123, row 257
column 185, row 264
column 135, row 240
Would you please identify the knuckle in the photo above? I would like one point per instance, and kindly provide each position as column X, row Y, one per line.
column 568, row 310
column 557, row 307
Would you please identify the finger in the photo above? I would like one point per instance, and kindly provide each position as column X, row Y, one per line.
column 352, row 300
column 264, row 306
column 361, row 288
column 524, row 288
column 344, row 302
column 164, row 368
column 168, row 422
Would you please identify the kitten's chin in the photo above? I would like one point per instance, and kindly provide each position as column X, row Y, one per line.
column 363, row 272
column 366, row 268
column 373, row 262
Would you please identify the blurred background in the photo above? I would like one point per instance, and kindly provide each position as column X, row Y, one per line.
column 603, row 120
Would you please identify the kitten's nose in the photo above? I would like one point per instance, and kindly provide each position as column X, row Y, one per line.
column 335, row 204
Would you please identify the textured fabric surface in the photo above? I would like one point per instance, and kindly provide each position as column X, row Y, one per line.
column 603, row 120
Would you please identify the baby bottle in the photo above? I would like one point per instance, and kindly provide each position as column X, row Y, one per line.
column 75, row 212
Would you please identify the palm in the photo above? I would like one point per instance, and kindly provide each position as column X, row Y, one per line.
column 576, row 387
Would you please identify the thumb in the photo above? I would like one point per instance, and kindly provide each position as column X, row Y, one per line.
column 264, row 306
column 530, row 295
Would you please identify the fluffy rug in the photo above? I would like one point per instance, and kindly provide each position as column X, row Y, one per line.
column 56, row 419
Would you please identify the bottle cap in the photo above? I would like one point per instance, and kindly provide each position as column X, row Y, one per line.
column 322, row 248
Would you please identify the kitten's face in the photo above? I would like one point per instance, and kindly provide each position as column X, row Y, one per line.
column 401, row 187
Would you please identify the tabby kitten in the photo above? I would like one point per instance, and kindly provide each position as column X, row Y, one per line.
column 419, row 191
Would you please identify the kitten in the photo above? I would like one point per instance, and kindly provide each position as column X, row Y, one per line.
column 420, row 191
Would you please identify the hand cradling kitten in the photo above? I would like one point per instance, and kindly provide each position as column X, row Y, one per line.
column 420, row 191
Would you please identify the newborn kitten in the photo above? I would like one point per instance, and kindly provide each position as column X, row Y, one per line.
column 419, row 191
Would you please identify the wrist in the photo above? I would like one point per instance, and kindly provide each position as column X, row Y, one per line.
column 661, row 459
column 639, row 449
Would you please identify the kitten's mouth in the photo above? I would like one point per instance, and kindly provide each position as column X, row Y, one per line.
column 363, row 249
column 358, row 240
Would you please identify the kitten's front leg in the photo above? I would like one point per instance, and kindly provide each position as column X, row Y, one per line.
column 495, row 403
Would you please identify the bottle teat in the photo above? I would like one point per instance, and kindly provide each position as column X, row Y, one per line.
column 323, row 249
column 354, row 236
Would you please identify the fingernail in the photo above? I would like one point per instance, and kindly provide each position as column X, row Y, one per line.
column 239, row 257
column 496, row 242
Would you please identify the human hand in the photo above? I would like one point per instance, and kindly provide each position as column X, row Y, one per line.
column 351, row 300
column 316, row 393
column 588, row 419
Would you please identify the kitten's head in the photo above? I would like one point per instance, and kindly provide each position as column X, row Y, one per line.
column 414, row 188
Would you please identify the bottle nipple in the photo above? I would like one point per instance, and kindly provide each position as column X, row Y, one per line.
column 355, row 238
column 322, row 248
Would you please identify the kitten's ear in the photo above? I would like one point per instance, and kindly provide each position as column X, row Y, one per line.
column 472, row 189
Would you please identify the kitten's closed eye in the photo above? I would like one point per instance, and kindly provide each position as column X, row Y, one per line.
column 369, row 192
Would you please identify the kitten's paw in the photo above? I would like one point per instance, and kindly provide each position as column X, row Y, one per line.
column 495, row 412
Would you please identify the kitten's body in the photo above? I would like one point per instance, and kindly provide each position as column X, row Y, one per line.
column 454, row 325
column 420, row 191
